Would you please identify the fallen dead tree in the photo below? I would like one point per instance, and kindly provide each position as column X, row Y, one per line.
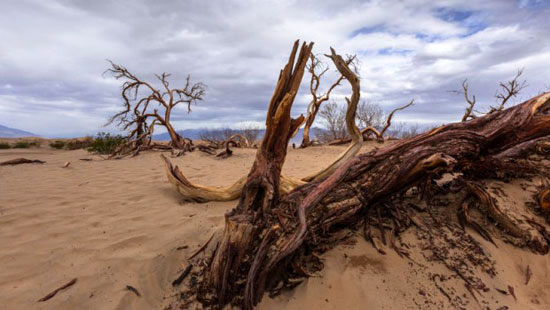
column 19, row 161
column 195, row 192
column 236, row 140
column 270, row 237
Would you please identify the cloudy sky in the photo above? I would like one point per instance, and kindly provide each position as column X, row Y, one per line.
column 53, row 54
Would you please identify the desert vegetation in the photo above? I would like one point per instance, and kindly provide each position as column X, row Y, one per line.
column 105, row 143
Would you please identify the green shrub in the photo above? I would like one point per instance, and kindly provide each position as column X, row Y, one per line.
column 57, row 144
column 21, row 145
column 105, row 143
column 4, row 146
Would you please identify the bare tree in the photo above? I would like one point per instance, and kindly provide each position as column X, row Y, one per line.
column 142, row 101
column 335, row 119
column 251, row 133
column 509, row 89
column 369, row 115
column 378, row 133
column 468, row 114
column 317, row 70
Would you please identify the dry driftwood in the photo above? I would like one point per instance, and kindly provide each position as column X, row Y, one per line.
column 133, row 290
column 257, row 254
column 54, row 292
column 198, row 193
column 19, row 161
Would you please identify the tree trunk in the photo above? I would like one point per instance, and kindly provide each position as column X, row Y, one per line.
column 256, row 254
column 309, row 122
column 260, row 193
column 175, row 139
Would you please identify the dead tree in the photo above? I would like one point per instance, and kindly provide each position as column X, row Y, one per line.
column 317, row 69
column 468, row 114
column 356, row 138
column 142, row 102
column 369, row 115
column 509, row 89
column 269, row 237
column 261, row 191
column 372, row 130
column 195, row 192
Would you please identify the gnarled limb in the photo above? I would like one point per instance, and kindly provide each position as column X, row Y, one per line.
column 243, row 140
column 353, row 131
column 138, row 110
column 468, row 114
column 517, row 228
column 388, row 120
column 317, row 99
column 509, row 90
column 199, row 193
column 203, row 193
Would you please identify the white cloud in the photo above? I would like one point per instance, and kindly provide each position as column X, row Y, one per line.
column 53, row 54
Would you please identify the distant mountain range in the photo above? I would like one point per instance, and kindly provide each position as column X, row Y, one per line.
column 195, row 134
column 7, row 132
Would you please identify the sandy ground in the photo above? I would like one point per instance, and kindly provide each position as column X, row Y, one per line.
column 116, row 223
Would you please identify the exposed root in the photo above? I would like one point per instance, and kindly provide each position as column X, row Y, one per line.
column 526, row 233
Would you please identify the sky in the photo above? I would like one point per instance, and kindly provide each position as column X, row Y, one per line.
column 53, row 55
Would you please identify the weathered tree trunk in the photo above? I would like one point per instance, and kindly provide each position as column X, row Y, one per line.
column 267, row 236
column 261, row 191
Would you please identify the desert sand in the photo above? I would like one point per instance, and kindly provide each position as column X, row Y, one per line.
column 113, row 223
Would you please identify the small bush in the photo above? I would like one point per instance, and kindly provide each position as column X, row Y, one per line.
column 57, row 145
column 105, row 143
column 77, row 144
column 21, row 145
column 4, row 146
column 34, row 144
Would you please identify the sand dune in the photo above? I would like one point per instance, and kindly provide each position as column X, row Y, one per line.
column 116, row 223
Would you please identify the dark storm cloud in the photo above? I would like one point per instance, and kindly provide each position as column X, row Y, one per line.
column 53, row 54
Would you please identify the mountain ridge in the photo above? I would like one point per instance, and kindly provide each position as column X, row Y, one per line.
column 8, row 132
